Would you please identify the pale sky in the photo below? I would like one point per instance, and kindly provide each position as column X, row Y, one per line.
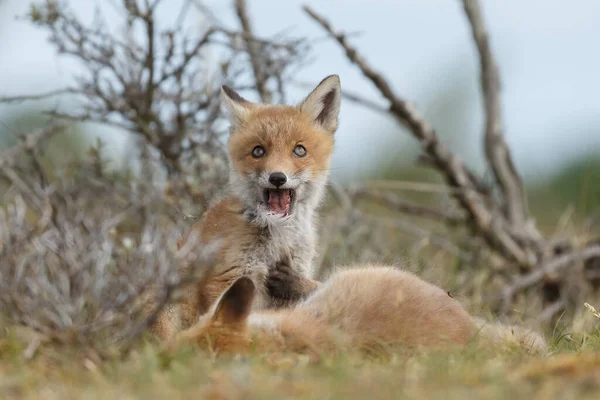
column 547, row 51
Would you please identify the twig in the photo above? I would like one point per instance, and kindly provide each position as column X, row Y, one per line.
column 41, row 96
column 496, row 150
column 412, row 229
column 344, row 198
column 477, row 182
column 411, row 186
column 407, row 207
column 551, row 267
column 254, row 50
column 274, row 44
column 551, row 310
column 353, row 97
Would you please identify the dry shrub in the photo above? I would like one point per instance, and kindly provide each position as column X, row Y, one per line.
column 80, row 252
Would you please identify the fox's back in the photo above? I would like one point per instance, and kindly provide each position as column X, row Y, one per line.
column 392, row 305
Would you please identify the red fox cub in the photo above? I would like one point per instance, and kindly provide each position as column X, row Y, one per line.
column 279, row 157
column 354, row 308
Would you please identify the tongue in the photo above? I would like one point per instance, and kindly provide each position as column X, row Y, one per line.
column 279, row 200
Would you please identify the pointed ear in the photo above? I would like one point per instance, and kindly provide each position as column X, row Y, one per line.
column 235, row 304
column 237, row 107
column 323, row 103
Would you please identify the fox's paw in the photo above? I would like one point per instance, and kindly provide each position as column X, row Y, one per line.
column 284, row 284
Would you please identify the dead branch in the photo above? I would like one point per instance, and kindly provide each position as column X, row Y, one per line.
column 411, row 186
column 477, row 182
column 504, row 224
column 406, row 207
column 422, row 234
column 549, row 312
column 488, row 221
column 496, row 149
column 40, row 96
column 353, row 97
column 542, row 271
column 254, row 50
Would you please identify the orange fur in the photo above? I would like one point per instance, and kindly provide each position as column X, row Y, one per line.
column 253, row 239
column 355, row 308
column 279, row 129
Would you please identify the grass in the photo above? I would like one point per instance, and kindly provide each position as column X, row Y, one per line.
column 573, row 371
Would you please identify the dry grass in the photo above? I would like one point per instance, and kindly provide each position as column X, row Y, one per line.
column 63, row 373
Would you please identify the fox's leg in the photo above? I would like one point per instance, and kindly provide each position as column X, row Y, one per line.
column 174, row 316
column 287, row 286
column 180, row 315
column 167, row 323
column 189, row 305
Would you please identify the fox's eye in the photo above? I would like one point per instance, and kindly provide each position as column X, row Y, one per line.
column 299, row 151
column 258, row 152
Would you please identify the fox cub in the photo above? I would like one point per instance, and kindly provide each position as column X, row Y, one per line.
column 354, row 309
column 279, row 157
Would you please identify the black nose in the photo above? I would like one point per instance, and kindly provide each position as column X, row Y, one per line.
column 277, row 178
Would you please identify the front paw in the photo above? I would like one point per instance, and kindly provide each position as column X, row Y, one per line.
column 283, row 282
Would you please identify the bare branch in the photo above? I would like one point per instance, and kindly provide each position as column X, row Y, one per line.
column 395, row 203
column 274, row 44
column 254, row 50
column 417, row 231
column 353, row 97
column 40, row 96
column 551, row 310
column 477, row 182
column 551, row 267
column 411, row 186
column 496, row 149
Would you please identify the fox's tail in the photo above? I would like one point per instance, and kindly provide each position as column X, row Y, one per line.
column 499, row 335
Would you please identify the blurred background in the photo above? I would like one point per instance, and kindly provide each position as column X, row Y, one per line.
column 544, row 49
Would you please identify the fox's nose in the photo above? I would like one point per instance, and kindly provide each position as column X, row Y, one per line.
column 277, row 179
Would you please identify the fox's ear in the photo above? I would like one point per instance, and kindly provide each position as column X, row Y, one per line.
column 235, row 304
column 237, row 106
column 323, row 103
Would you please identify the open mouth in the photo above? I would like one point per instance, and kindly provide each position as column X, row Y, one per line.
column 279, row 201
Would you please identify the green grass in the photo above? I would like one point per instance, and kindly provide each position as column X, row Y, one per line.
column 572, row 371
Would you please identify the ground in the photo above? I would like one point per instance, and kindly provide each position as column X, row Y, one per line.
column 51, row 372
